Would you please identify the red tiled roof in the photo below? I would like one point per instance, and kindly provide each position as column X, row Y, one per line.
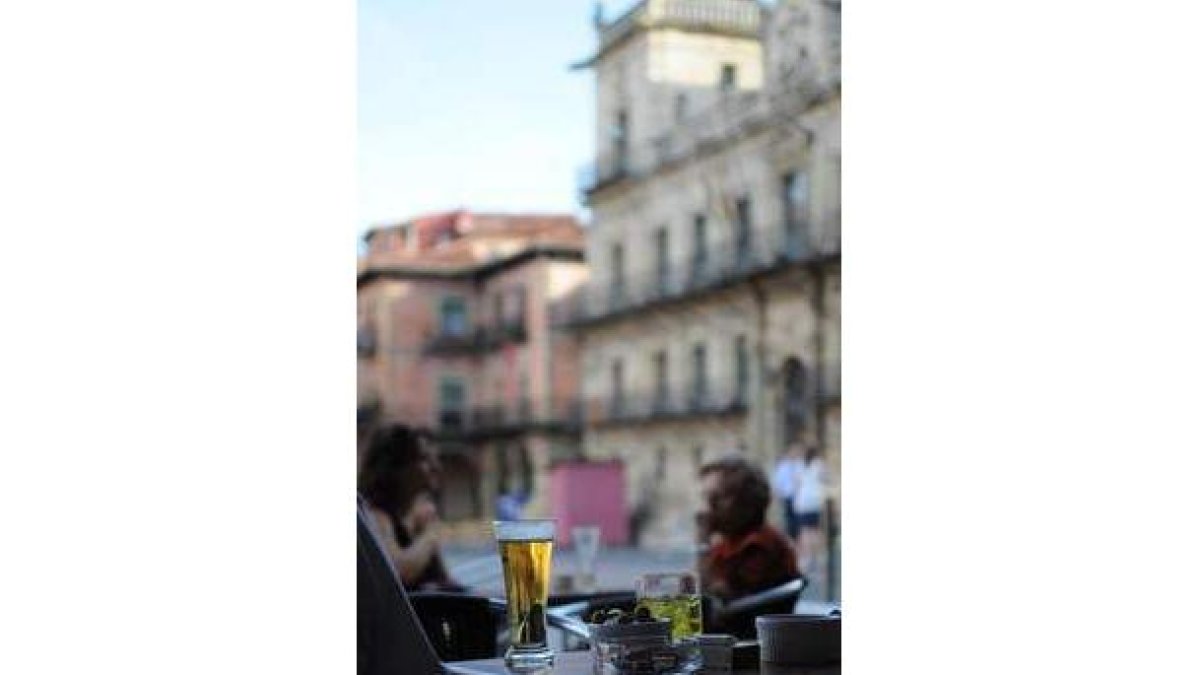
column 461, row 239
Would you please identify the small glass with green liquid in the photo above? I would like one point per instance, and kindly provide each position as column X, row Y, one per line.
column 673, row 596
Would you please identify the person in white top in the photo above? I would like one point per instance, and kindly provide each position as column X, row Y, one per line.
column 811, row 480
column 783, row 482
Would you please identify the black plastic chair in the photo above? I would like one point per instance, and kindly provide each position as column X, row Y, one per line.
column 460, row 626
column 737, row 616
column 465, row 627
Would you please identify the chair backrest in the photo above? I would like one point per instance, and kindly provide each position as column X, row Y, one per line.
column 737, row 617
column 461, row 627
column 390, row 638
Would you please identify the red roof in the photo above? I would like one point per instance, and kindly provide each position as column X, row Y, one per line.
column 461, row 238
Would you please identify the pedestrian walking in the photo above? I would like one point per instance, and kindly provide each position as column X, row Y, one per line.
column 811, row 482
column 783, row 482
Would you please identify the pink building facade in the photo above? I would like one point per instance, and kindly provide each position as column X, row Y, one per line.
column 455, row 337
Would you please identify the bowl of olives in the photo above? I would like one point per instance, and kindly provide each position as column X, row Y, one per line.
column 636, row 643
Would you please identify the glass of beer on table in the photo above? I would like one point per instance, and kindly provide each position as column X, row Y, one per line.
column 525, row 552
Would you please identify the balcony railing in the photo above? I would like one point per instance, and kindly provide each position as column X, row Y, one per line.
column 729, row 116
column 609, row 168
column 482, row 339
column 656, row 406
column 717, row 266
column 495, row 420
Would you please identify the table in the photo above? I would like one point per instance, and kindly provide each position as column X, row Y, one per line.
column 580, row 663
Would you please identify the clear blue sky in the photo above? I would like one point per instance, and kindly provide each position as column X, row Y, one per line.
column 470, row 103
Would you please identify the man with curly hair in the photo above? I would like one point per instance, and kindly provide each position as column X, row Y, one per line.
column 742, row 553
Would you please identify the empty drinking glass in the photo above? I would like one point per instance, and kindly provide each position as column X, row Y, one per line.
column 586, row 539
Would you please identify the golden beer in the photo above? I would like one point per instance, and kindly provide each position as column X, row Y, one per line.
column 526, row 547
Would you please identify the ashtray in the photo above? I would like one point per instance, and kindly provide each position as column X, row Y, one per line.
column 640, row 648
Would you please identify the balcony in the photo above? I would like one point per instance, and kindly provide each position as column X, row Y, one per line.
column 731, row 117
column 608, row 169
column 650, row 407
column 721, row 265
column 480, row 341
column 487, row 421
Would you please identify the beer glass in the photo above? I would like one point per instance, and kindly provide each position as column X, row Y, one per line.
column 525, row 551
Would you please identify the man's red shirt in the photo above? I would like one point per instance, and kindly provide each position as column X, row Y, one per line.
column 761, row 559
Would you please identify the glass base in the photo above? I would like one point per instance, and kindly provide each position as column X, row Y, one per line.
column 529, row 659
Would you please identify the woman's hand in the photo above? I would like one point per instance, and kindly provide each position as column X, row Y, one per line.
column 422, row 515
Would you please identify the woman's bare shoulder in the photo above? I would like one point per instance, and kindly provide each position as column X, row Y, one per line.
column 382, row 519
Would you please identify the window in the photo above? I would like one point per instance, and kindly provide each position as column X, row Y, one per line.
column 454, row 317
column 520, row 297
column 621, row 141
column 661, row 255
column 498, row 309
column 524, row 404
column 698, row 456
column 741, row 356
column 795, row 401
column 728, row 77
column 680, row 107
column 503, row 473
column 618, row 387
column 699, row 244
column 618, row 274
column 452, row 398
column 795, row 211
column 743, row 230
column 660, row 464
column 660, row 380
column 699, row 375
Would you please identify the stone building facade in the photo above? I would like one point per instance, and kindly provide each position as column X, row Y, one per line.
column 711, row 321
column 455, row 337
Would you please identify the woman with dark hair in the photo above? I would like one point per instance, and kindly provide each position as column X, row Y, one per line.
column 398, row 479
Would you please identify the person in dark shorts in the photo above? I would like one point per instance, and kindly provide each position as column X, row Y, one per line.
column 811, row 485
